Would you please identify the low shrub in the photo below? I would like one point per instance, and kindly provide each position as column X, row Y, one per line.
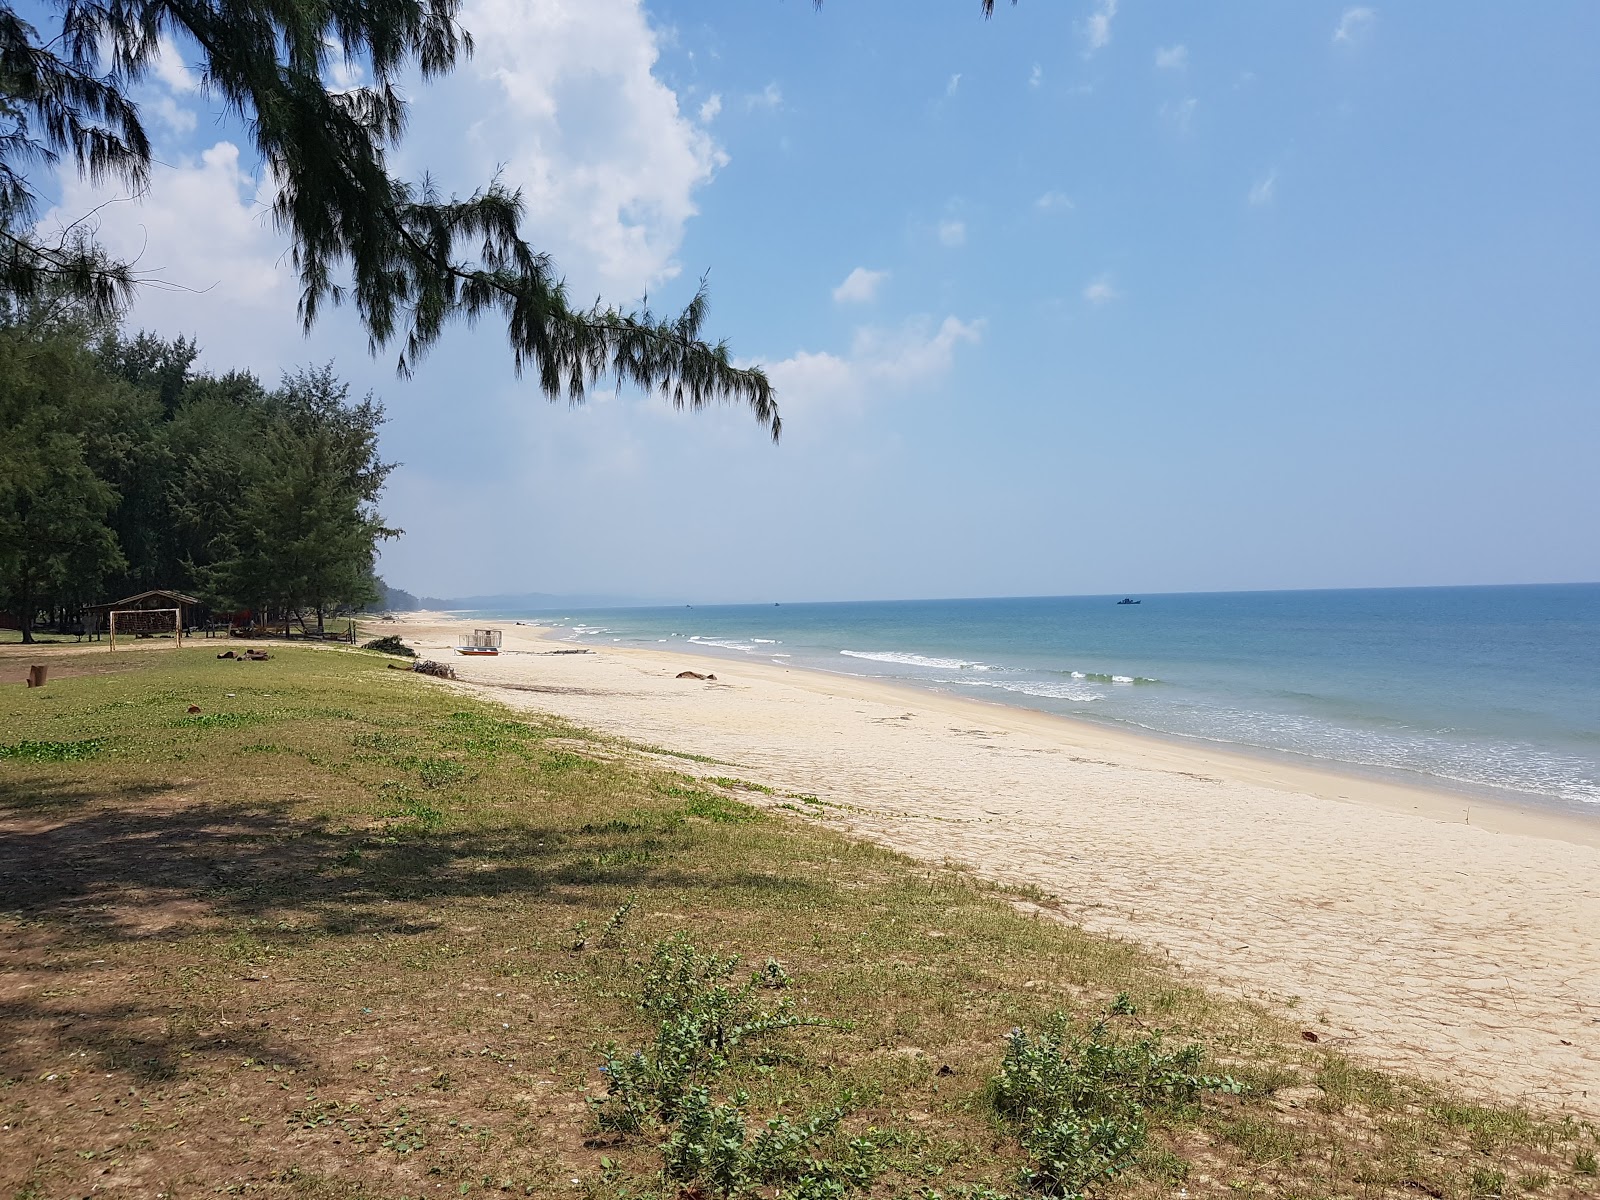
column 705, row 1021
column 390, row 645
column 1078, row 1101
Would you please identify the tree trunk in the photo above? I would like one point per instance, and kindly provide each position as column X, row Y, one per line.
column 25, row 617
column 320, row 629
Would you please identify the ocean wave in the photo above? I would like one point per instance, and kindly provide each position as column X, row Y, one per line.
column 917, row 660
column 1102, row 677
column 723, row 643
column 1047, row 691
column 1498, row 765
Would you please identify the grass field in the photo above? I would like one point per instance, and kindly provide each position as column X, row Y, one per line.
column 347, row 932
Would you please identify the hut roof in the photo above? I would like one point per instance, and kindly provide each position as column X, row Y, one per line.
column 179, row 600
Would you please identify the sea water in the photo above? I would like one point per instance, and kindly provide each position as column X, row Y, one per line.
column 1480, row 688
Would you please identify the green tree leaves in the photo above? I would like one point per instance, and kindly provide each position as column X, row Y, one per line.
column 407, row 258
column 121, row 471
column 55, row 542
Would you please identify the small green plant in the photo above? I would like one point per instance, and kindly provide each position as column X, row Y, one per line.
column 1486, row 1182
column 53, row 751
column 1078, row 1101
column 725, row 781
column 220, row 720
column 771, row 975
column 439, row 772
column 618, row 919
column 704, row 1023
column 1584, row 1162
column 405, row 1135
column 390, row 645
column 409, row 811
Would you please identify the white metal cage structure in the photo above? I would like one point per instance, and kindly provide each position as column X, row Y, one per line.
column 145, row 623
column 479, row 641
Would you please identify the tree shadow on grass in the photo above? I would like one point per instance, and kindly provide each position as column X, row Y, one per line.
column 71, row 1037
column 39, row 795
column 166, row 871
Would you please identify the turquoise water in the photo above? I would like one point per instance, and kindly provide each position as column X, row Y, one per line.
column 1485, row 688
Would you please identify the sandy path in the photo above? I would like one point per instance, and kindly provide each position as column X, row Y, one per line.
column 1469, row 952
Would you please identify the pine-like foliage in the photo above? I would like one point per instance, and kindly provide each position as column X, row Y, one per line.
column 409, row 259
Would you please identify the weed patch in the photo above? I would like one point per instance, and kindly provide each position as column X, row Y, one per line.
column 1080, row 1101
column 53, row 751
column 669, row 1090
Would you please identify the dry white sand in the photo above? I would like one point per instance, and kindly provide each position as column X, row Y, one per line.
column 1437, row 934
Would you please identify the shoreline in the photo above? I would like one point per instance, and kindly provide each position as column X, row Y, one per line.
column 1396, row 924
column 1446, row 800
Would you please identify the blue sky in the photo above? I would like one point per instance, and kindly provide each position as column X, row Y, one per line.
column 1089, row 297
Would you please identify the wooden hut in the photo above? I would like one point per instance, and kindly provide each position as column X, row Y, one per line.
column 192, row 612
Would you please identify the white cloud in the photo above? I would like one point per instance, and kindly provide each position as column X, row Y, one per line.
column 1097, row 29
column 1053, row 202
column 860, row 286
column 1354, row 25
column 955, row 82
column 563, row 97
column 1099, row 291
column 1036, row 76
column 911, row 353
column 917, row 352
column 769, row 97
column 952, row 232
column 1265, row 189
column 711, row 108
column 170, row 68
column 346, row 76
column 1172, row 58
column 561, row 94
column 204, row 236
column 1180, row 113
column 174, row 116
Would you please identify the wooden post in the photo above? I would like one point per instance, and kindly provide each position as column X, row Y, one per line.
column 37, row 674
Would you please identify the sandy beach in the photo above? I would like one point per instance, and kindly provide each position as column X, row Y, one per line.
column 1438, row 934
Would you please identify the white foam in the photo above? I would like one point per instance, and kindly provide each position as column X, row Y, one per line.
column 722, row 643
column 1050, row 691
column 916, row 660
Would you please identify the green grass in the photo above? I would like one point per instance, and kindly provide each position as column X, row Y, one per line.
column 53, row 751
column 346, row 933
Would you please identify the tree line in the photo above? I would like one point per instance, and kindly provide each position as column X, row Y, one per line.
column 125, row 468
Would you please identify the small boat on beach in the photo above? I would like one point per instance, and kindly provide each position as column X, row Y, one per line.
column 480, row 643
column 1128, row 600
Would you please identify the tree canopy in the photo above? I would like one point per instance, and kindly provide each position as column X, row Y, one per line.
column 122, row 470
column 408, row 258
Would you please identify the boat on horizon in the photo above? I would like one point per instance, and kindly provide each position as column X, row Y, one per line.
column 1129, row 600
